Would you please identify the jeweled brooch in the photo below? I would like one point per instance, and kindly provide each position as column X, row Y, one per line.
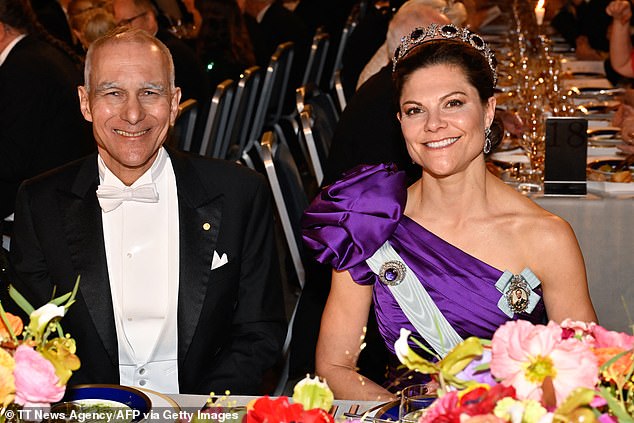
column 392, row 272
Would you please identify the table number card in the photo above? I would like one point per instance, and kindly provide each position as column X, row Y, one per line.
column 566, row 156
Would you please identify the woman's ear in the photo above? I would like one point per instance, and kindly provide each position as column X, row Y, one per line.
column 489, row 113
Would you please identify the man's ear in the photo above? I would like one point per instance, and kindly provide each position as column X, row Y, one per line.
column 84, row 103
column 174, row 102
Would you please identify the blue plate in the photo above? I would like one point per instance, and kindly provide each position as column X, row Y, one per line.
column 133, row 398
column 389, row 411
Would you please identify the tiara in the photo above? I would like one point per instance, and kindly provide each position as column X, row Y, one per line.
column 451, row 32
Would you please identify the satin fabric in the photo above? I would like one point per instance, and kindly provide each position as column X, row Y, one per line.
column 353, row 217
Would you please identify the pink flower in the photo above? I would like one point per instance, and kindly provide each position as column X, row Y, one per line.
column 444, row 410
column 524, row 356
column 577, row 329
column 36, row 383
column 606, row 338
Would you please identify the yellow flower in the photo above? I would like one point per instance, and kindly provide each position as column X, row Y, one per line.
column 7, row 382
column 61, row 353
column 313, row 393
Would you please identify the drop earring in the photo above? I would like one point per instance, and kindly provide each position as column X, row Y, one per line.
column 487, row 141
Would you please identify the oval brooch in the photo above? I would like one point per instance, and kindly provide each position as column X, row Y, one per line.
column 517, row 294
column 392, row 272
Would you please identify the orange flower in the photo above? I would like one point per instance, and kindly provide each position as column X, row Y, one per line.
column 16, row 325
column 616, row 370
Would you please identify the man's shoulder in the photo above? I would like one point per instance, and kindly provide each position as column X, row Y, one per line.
column 35, row 60
column 64, row 175
column 225, row 174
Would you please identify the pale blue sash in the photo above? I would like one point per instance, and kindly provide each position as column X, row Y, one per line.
column 416, row 303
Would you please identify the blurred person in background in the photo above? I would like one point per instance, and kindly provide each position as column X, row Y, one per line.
column 40, row 123
column 270, row 24
column 400, row 25
column 91, row 24
column 368, row 131
column 190, row 74
column 223, row 43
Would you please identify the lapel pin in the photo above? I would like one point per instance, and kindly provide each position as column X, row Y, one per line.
column 206, row 226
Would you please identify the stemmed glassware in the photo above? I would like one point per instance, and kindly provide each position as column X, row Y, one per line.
column 534, row 71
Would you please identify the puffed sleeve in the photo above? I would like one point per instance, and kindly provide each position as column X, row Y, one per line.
column 350, row 219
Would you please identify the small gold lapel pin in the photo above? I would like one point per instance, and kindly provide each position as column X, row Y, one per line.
column 206, row 226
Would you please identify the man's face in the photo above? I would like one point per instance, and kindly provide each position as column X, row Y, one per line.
column 130, row 105
column 127, row 13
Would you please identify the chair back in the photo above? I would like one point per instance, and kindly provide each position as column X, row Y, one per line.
column 316, row 58
column 214, row 140
column 351, row 23
column 290, row 202
column 183, row 132
column 242, row 112
column 288, row 194
column 318, row 117
column 274, row 87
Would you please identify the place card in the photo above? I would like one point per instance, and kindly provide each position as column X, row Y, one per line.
column 566, row 156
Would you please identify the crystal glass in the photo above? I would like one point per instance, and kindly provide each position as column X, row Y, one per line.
column 414, row 400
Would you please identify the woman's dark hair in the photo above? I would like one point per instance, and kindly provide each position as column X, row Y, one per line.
column 454, row 53
column 223, row 32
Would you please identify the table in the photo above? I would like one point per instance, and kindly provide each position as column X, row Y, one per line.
column 195, row 402
column 605, row 230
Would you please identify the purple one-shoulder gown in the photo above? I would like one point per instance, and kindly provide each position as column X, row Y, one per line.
column 352, row 218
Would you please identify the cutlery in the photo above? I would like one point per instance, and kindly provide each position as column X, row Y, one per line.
column 624, row 164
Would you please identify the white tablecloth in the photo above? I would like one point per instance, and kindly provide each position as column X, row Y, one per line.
column 197, row 401
column 605, row 230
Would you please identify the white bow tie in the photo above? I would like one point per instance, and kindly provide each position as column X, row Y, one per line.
column 111, row 197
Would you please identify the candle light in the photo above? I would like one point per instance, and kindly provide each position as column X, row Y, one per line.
column 540, row 10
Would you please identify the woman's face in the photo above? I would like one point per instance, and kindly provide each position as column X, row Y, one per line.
column 443, row 119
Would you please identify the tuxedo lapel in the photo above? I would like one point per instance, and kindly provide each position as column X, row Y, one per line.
column 200, row 214
column 84, row 235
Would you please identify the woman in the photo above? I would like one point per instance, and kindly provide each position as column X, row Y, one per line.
column 620, row 37
column 459, row 232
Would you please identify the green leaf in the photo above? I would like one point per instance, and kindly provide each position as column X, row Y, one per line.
column 61, row 299
column 20, row 300
column 616, row 408
column 461, row 355
column 68, row 298
column 577, row 398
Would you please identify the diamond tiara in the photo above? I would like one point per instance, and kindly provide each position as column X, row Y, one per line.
column 434, row 32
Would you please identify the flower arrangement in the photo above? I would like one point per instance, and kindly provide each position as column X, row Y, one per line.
column 312, row 399
column 311, row 402
column 36, row 361
column 568, row 372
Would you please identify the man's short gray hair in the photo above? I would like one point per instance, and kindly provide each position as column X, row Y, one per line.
column 126, row 34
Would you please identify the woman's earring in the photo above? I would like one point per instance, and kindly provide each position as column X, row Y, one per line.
column 487, row 141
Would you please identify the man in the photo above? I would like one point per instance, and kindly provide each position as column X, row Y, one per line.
column 179, row 287
column 40, row 123
column 190, row 75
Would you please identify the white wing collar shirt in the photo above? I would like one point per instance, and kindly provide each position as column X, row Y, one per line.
column 142, row 251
